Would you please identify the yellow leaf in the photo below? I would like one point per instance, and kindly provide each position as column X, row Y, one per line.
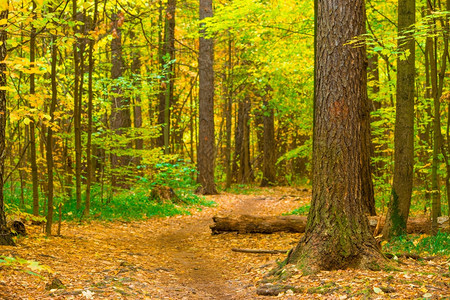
column 3, row 21
column 26, row 121
column 3, row 4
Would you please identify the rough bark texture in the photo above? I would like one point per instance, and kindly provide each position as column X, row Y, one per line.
column 404, row 127
column 5, row 234
column 297, row 224
column 337, row 234
column 120, row 118
column 206, row 145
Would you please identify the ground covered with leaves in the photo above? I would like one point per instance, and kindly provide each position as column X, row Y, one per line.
column 178, row 258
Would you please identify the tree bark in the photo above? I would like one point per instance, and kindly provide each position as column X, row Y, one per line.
column 297, row 224
column 137, row 109
column 228, row 90
column 5, row 233
column 206, row 145
column 166, row 57
column 89, row 160
column 400, row 202
column 269, row 147
column 49, row 148
column 337, row 233
column 33, row 160
column 241, row 164
column 120, row 119
column 77, row 110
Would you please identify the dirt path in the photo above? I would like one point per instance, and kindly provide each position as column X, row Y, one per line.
column 178, row 258
column 168, row 258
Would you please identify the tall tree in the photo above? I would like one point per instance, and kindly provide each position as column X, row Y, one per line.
column 400, row 202
column 206, row 145
column 269, row 146
column 5, row 234
column 337, row 233
column 77, row 109
column 89, row 162
column 33, row 161
column 120, row 119
column 166, row 57
column 49, row 148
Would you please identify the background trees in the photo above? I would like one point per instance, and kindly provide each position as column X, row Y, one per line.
column 263, row 88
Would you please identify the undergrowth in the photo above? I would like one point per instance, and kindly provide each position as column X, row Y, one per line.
column 420, row 244
column 302, row 210
column 126, row 205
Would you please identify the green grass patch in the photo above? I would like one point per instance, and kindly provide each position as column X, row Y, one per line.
column 126, row 205
column 244, row 189
column 420, row 244
column 301, row 211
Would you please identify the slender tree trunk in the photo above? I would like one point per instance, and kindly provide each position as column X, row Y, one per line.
column 400, row 203
column 49, row 148
column 89, row 160
column 167, row 55
column 437, row 88
column 269, row 147
column 33, row 160
column 120, row 119
column 137, row 109
column 5, row 234
column 337, row 234
column 206, row 146
column 77, row 111
column 228, row 84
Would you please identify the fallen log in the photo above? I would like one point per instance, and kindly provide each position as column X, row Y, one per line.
column 297, row 224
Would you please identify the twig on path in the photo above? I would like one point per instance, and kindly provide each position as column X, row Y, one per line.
column 259, row 251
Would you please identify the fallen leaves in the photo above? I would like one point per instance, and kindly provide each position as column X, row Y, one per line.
column 178, row 258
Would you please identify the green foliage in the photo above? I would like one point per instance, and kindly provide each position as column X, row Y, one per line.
column 27, row 266
column 133, row 204
column 302, row 210
column 420, row 244
column 174, row 175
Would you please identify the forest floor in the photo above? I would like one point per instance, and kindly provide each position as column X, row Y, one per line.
column 178, row 258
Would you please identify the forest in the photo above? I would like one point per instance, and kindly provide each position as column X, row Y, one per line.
column 227, row 149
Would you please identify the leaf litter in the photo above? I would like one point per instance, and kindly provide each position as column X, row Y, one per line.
column 178, row 258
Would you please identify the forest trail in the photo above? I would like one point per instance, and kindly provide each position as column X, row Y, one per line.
column 160, row 258
column 179, row 258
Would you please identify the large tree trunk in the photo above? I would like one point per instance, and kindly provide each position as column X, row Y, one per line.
column 399, row 205
column 120, row 119
column 5, row 234
column 297, row 224
column 337, row 234
column 206, row 146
